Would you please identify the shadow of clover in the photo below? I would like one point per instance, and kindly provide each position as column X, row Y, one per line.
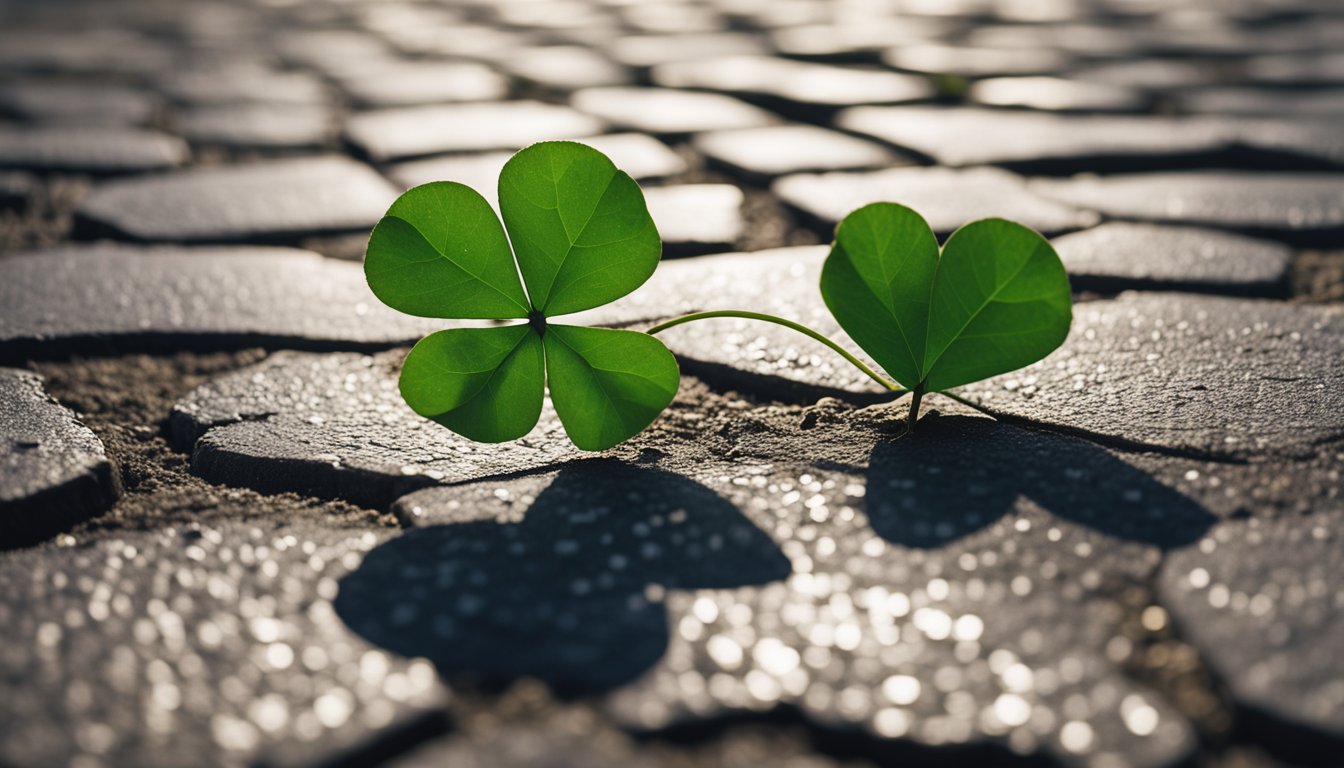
column 562, row 594
column 959, row 474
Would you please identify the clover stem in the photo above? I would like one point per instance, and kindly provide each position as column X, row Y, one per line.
column 917, row 394
column 854, row 361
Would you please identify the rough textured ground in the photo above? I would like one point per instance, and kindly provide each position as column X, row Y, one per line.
column 225, row 540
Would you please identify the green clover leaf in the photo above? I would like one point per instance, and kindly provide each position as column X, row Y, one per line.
column 582, row 237
column 996, row 299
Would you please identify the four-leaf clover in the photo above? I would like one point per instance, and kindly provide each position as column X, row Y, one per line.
column 581, row 237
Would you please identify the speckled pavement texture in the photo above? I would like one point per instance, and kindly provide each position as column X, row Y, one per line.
column 226, row 541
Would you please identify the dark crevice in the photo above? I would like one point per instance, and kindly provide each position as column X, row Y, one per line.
column 71, row 349
column 1109, row 441
column 849, row 743
column 1164, row 660
column 126, row 402
column 184, row 432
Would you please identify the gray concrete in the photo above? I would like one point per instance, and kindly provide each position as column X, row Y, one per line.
column 946, row 198
column 256, row 201
column 103, row 297
column 55, row 471
column 89, row 150
column 216, row 641
column 1260, row 600
column 1122, row 255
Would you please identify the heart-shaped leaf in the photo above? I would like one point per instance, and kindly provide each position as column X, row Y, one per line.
column 580, row 228
column 582, row 236
column 606, row 384
column 440, row 252
column 485, row 384
column 996, row 299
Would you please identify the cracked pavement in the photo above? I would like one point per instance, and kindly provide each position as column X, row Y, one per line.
column 226, row 541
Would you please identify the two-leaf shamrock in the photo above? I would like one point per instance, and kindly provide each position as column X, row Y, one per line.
column 996, row 299
column 581, row 237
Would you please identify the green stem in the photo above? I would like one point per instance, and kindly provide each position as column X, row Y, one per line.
column 854, row 361
column 910, row 420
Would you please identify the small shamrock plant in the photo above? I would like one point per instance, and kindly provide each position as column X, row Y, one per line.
column 581, row 237
column 994, row 299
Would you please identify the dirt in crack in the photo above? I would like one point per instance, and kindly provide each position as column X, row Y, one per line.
column 126, row 401
column 1150, row 652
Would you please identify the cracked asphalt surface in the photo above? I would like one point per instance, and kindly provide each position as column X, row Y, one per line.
column 226, row 541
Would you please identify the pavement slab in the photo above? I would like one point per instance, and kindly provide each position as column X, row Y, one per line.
column 641, row 156
column 264, row 201
column 429, row 82
column 946, row 198
column 1089, row 39
column 334, row 52
column 565, row 68
column 335, row 426
column 668, row 112
column 784, row 149
column 47, row 101
column 1123, row 255
column 1260, row 599
column 796, row 82
column 122, row 298
column 99, row 151
column 856, row 597
column 847, row 39
column 566, row 556
column 961, row 136
column 256, row 126
column 1236, row 378
column 1296, row 207
column 580, row 19
column 677, row 19
column 1150, row 74
column 55, row 471
column 241, row 84
column 480, row 171
column 1304, row 143
column 696, row 217
column 1317, row 68
column 206, row 645
column 1264, row 102
column 395, row 134
column 82, row 51
column 969, row 61
column 647, row 51
column 1056, row 94
column 476, row 42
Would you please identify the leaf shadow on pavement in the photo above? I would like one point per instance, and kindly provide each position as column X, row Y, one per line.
column 956, row 475
column 564, row 589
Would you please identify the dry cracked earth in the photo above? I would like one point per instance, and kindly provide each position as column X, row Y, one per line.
column 226, row 541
